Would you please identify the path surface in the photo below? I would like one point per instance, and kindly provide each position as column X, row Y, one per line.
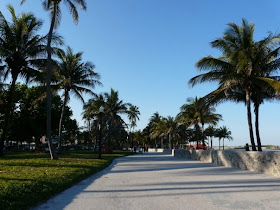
column 160, row 181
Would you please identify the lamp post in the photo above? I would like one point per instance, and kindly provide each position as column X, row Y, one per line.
column 101, row 111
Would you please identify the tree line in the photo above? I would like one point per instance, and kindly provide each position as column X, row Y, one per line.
column 43, row 65
column 186, row 129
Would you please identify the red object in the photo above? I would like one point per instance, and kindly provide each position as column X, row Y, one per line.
column 200, row 146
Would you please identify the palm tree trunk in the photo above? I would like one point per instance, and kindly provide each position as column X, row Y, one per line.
column 108, row 142
column 249, row 116
column 95, row 146
column 202, row 130
column 100, row 134
column 60, row 121
column 49, row 73
column 219, row 143
column 257, row 127
column 132, row 143
column 223, row 143
column 169, row 135
column 197, row 135
column 127, row 142
column 89, row 125
column 211, row 142
column 8, row 114
column 89, row 133
column 161, row 143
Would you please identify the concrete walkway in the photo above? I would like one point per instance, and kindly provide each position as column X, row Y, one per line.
column 160, row 181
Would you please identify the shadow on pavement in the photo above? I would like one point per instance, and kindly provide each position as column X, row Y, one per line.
column 164, row 163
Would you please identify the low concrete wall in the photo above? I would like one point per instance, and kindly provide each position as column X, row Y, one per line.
column 267, row 162
column 155, row 150
column 169, row 151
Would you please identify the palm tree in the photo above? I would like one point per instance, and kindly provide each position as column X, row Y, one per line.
column 74, row 76
column 54, row 7
column 91, row 112
column 238, row 68
column 20, row 50
column 91, row 108
column 189, row 115
column 210, row 132
column 258, row 96
column 170, row 128
column 156, row 127
column 223, row 133
column 196, row 112
column 208, row 116
column 2, row 84
column 133, row 115
column 113, row 108
column 155, row 118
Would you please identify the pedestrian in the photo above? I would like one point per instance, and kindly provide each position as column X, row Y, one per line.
column 247, row 147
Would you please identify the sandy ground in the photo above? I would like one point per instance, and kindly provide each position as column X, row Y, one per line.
column 160, row 181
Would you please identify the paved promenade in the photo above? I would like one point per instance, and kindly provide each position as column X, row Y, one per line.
column 160, row 181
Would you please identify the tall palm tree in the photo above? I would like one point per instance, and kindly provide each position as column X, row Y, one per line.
column 223, row 133
column 20, row 50
column 259, row 95
column 54, row 7
column 267, row 61
column 238, row 68
column 74, row 76
column 133, row 115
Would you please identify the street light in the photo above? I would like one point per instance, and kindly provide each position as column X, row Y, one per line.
column 101, row 111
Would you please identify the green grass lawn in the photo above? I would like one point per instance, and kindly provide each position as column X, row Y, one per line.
column 29, row 178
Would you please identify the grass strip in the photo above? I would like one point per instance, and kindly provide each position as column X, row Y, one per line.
column 29, row 178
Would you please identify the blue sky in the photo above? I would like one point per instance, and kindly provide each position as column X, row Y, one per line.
column 147, row 50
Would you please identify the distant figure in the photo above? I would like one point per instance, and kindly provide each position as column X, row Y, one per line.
column 146, row 148
column 247, row 147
